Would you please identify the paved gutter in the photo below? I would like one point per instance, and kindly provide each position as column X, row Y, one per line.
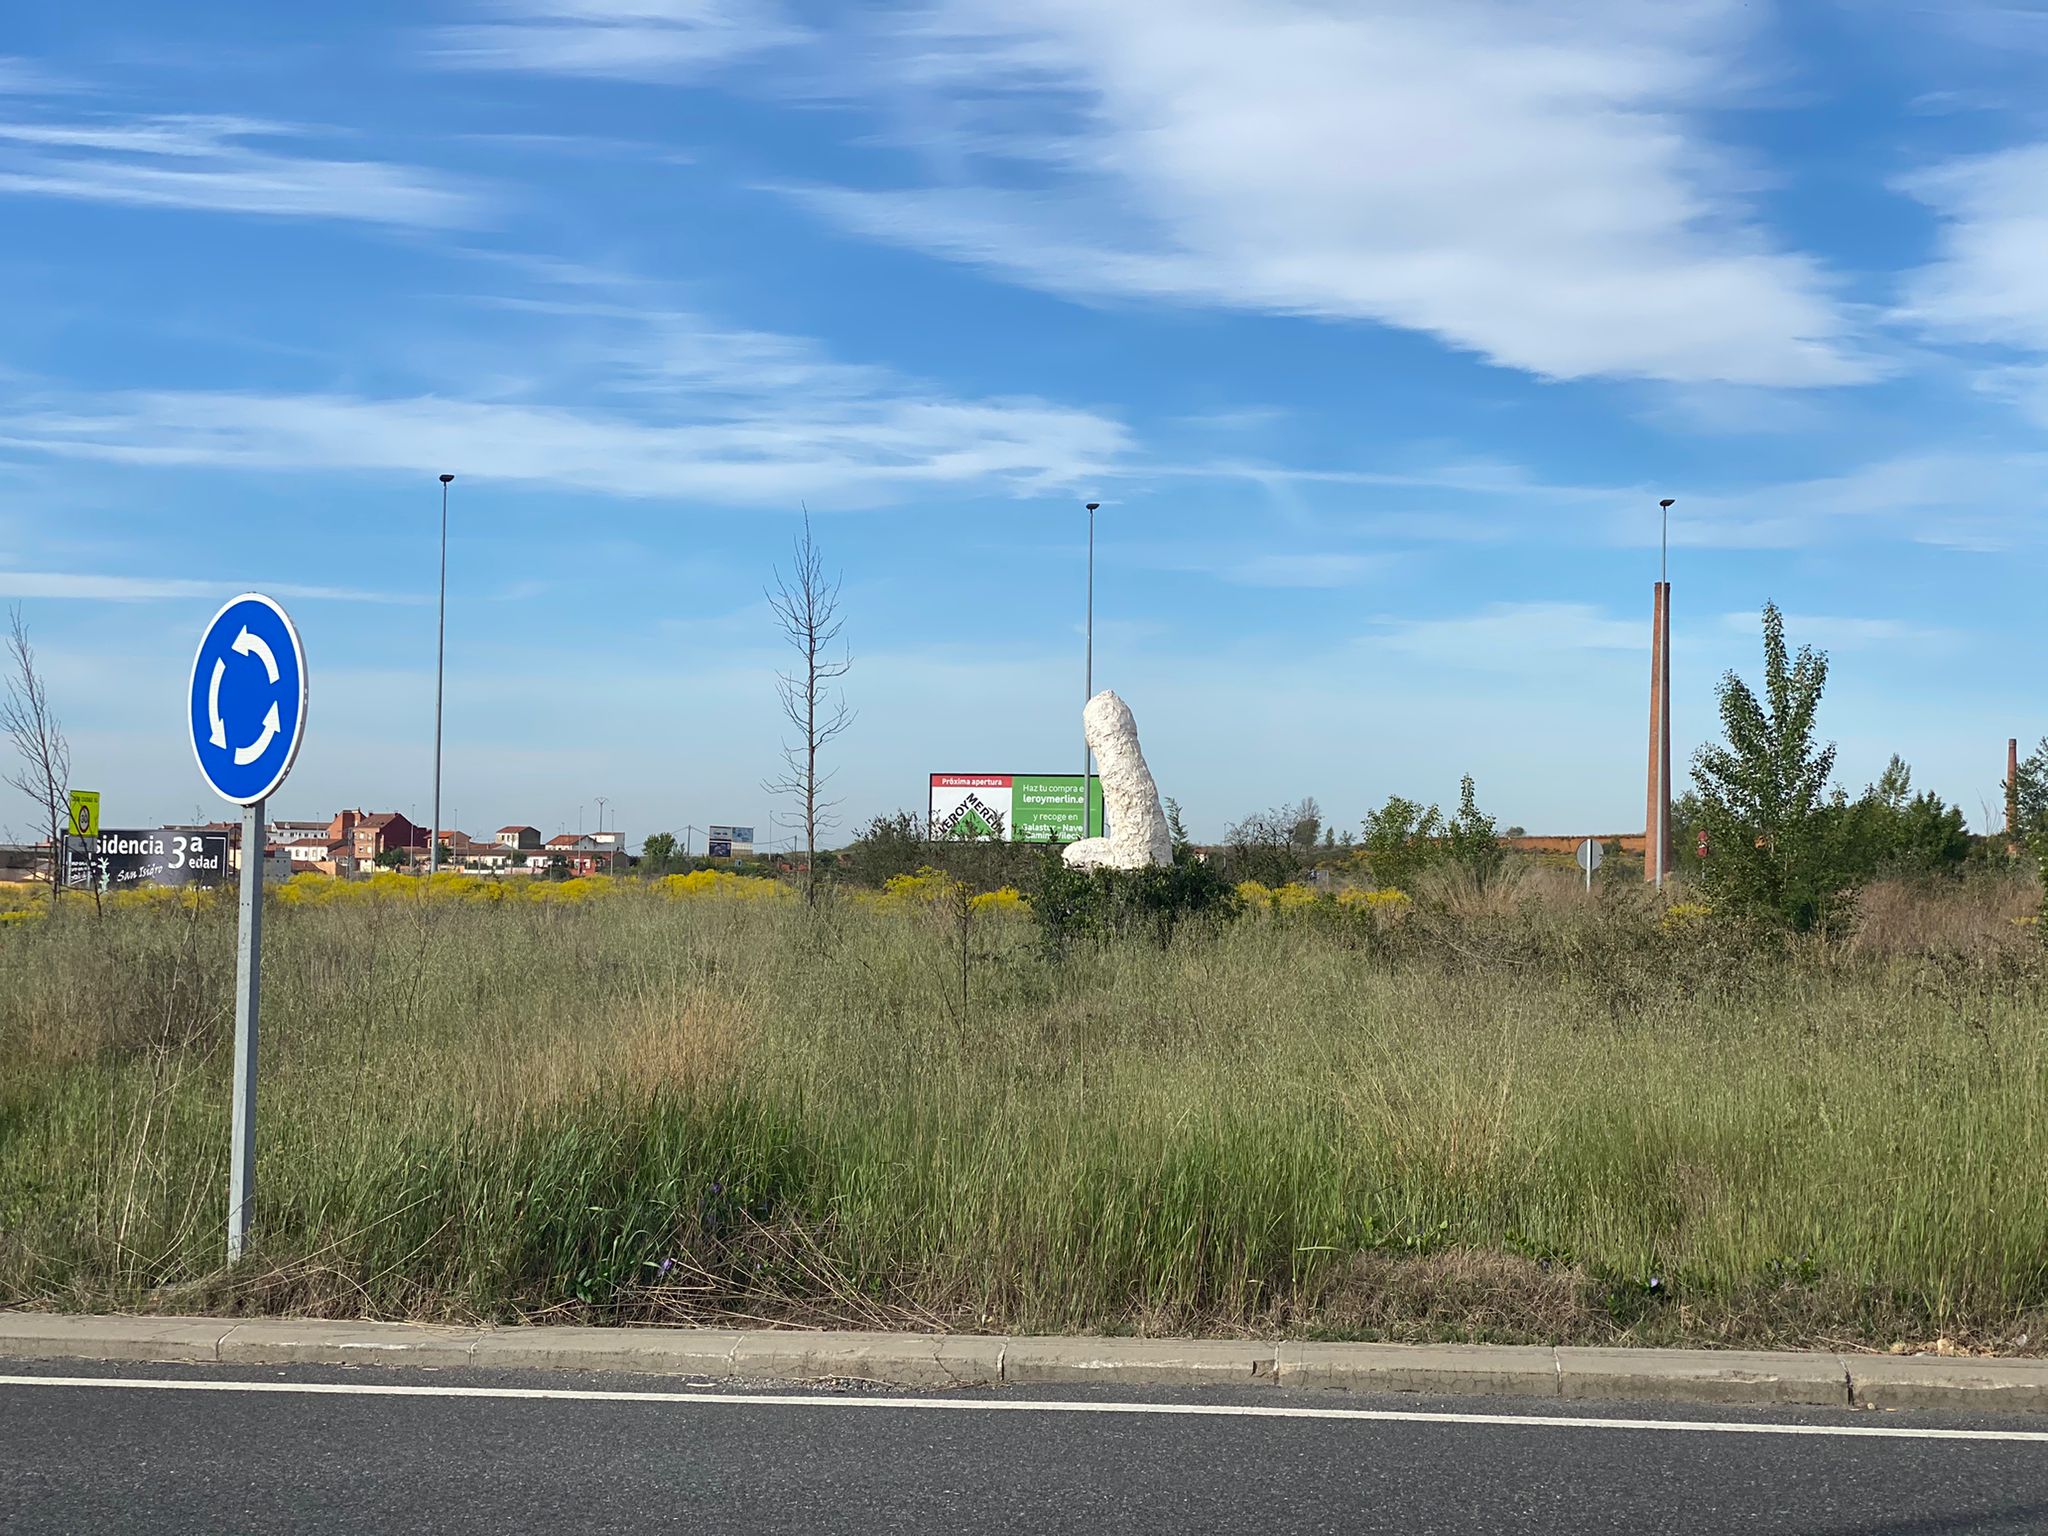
column 926, row 1360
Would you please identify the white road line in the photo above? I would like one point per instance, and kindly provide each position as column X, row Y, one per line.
column 1023, row 1405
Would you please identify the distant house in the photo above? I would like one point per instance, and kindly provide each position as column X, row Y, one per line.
column 379, row 834
column 578, row 850
column 525, row 839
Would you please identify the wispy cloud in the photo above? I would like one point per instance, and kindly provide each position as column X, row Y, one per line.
column 1521, row 182
column 652, row 40
column 1989, row 283
column 88, row 586
column 221, row 164
column 1954, row 499
column 1512, row 636
column 852, row 453
column 1836, row 632
column 1305, row 568
column 616, row 393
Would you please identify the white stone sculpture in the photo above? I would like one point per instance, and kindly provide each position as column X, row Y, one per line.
column 1130, row 800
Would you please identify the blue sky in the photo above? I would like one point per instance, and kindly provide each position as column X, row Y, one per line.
column 1378, row 330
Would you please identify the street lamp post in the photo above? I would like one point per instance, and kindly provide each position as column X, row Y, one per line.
column 1088, row 757
column 1664, row 693
column 440, row 674
column 611, row 864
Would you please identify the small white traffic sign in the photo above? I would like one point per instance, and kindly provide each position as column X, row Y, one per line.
column 1591, row 854
column 247, row 702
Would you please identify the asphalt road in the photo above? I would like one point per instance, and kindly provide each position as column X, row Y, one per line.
column 166, row 1461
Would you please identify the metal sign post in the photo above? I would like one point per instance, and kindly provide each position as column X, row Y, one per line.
column 1590, row 856
column 248, row 983
column 247, row 710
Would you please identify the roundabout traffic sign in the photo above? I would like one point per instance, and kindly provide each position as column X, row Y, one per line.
column 246, row 707
column 247, row 702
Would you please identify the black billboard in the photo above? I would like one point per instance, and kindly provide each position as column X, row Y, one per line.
column 119, row 860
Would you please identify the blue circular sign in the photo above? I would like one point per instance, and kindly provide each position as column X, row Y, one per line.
column 248, row 699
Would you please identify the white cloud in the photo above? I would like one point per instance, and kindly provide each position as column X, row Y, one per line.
column 620, row 39
column 854, row 451
column 1990, row 281
column 1311, row 569
column 219, row 164
column 1513, row 636
column 87, row 586
column 1835, row 632
column 1947, row 498
column 612, row 393
column 1518, row 181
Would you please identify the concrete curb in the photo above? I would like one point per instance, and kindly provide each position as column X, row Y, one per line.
column 929, row 1360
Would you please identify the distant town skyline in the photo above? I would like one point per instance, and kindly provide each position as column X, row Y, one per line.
column 1378, row 331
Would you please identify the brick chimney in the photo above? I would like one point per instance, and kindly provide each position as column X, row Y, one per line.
column 2012, row 789
column 1657, row 811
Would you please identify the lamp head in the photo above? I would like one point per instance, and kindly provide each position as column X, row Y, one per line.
column 1666, row 502
column 446, row 478
column 1093, row 505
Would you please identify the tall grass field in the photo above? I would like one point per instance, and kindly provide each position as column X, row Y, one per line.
column 1528, row 1114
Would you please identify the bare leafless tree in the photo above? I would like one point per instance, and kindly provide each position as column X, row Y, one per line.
column 45, row 767
column 806, row 606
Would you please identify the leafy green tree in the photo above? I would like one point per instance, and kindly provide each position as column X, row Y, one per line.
column 1176, row 833
column 1470, row 840
column 1401, row 840
column 1764, row 802
column 657, row 853
column 1932, row 836
column 1890, row 830
column 395, row 858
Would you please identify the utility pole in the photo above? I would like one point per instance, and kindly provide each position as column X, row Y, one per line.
column 1087, row 756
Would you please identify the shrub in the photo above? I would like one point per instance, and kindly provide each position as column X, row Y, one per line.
column 1100, row 905
column 1271, row 847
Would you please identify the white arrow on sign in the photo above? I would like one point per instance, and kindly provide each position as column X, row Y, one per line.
column 247, row 644
column 219, row 734
column 244, row 756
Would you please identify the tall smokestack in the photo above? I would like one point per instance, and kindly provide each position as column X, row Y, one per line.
column 2012, row 789
column 1657, row 812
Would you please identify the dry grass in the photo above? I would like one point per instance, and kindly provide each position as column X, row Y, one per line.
column 1518, row 1113
column 1988, row 919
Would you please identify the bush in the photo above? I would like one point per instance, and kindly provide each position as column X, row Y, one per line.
column 1272, row 847
column 1071, row 905
column 1404, row 839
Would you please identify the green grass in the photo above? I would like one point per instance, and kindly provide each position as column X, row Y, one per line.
column 1552, row 1122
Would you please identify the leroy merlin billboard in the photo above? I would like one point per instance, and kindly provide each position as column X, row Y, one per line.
column 1012, row 807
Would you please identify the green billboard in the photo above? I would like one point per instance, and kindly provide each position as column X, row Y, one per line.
column 1012, row 807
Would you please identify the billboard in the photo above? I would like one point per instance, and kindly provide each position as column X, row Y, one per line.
column 1011, row 807
column 118, row 859
column 729, row 842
